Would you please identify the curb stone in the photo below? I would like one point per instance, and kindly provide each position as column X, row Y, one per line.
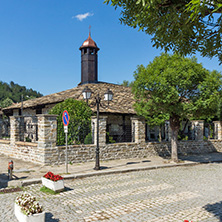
column 23, row 183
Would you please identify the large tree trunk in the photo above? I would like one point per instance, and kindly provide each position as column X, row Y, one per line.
column 175, row 126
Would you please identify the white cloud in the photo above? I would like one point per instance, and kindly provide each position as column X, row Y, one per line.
column 80, row 17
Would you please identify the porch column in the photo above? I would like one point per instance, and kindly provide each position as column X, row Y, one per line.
column 138, row 129
column 197, row 129
column 218, row 130
column 102, row 129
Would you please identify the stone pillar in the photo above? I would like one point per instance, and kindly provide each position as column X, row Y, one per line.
column 47, row 130
column 168, row 131
column 197, row 129
column 218, row 130
column 102, row 129
column 1, row 126
column 138, row 129
column 14, row 129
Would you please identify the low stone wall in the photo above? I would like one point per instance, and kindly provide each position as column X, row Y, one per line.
column 86, row 153
column 22, row 150
column 76, row 154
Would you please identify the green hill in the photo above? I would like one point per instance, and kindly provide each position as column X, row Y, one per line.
column 12, row 93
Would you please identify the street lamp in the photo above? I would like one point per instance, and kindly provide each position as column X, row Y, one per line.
column 108, row 96
column 86, row 93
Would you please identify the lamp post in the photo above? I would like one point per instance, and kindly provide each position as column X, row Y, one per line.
column 22, row 98
column 108, row 96
column 22, row 105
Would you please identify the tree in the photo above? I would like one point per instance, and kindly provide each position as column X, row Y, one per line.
column 127, row 83
column 6, row 102
column 184, row 26
column 80, row 121
column 175, row 88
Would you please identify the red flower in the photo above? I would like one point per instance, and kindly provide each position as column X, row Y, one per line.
column 53, row 177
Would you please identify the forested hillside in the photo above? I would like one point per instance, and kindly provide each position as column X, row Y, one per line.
column 12, row 93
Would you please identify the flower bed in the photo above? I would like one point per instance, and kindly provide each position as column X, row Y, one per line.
column 27, row 209
column 53, row 182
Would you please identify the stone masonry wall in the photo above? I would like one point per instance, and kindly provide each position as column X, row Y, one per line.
column 22, row 150
column 38, row 152
column 86, row 153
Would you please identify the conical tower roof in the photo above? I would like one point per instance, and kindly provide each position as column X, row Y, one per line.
column 89, row 43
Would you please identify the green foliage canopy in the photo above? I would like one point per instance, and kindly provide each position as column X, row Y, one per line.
column 175, row 88
column 172, row 84
column 80, row 121
column 184, row 26
column 6, row 102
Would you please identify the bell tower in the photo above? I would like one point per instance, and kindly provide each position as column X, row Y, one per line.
column 89, row 61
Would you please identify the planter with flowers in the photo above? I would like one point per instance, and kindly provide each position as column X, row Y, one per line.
column 27, row 209
column 53, row 182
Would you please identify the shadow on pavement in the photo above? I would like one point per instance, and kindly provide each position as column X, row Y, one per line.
column 18, row 178
column 215, row 209
column 4, row 179
column 146, row 161
column 49, row 218
column 104, row 167
column 67, row 189
column 214, row 157
column 132, row 163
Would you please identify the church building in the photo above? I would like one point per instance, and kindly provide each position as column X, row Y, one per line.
column 119, row 111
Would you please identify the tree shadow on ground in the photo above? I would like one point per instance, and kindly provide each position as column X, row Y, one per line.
column 49, row 218
column 215, row 209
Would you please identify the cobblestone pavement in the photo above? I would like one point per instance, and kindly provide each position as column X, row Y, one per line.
column 161, row 195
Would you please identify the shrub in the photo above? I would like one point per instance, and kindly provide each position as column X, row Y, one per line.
column 79, row 124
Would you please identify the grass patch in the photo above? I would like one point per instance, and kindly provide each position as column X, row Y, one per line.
column 46, row 190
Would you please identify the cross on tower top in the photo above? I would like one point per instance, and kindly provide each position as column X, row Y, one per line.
column 90, row 30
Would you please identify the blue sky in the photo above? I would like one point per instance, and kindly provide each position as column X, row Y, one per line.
column 40, row 40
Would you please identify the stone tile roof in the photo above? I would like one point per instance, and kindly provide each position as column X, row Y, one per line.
column 122, row 99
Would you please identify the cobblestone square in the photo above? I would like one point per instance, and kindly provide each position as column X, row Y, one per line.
column 193, row 193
